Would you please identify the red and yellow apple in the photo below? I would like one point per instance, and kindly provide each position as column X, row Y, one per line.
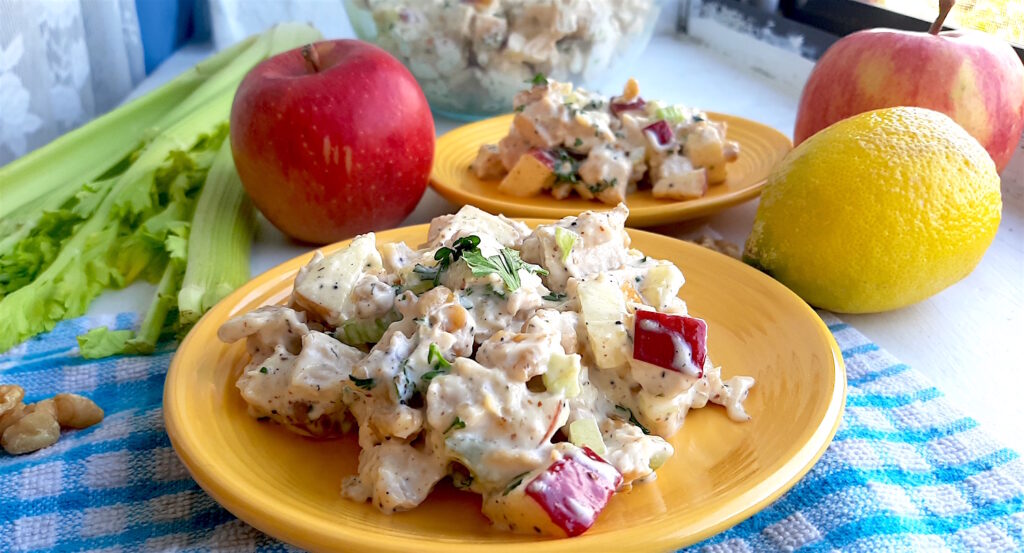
column 974, row 78
column 332, row 139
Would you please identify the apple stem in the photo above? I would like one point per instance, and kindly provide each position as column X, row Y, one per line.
column 312, row 58
column 944, row 7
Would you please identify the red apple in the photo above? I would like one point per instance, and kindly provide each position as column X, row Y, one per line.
column 332, row 139
column 974, row 78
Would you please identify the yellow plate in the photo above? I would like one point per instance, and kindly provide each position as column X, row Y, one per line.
column 723, row 472
column 761, row 148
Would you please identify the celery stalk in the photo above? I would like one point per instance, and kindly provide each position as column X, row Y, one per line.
column 83, row 267
column 152, row 326
column 79, row 156
column 136, row 227
column 219, row 240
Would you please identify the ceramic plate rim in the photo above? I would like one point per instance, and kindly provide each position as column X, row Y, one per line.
column 315, row 536
column 640, row 216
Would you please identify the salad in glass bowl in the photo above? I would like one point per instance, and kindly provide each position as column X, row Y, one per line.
column 470, row 57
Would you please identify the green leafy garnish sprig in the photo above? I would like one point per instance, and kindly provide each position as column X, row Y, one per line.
column 506, row 264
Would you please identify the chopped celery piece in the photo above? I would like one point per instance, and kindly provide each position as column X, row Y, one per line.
column 563, row 375
column 585, row 433
column 672, row 114
column 658, row 459
column 565, row 239
column 151, row 158
column 356, row 332
column 222, row 229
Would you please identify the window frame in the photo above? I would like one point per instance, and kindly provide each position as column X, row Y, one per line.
column 843, row 17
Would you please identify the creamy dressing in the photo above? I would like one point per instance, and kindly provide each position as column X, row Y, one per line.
column 447, row 372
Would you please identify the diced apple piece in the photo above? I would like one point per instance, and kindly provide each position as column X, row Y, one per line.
column 672, row 342
column 684, row 186
column 562, row 499
column 663, row 415
column 659, row 458
column 530, row 175
column 473, row 220
column 574, row 490
column 717, row 173
column 705, row 145
column 661, row 132
column 661, row 284
column 323, row 286
column 585, row 433
column 603, row 308
column 731, row 150
column 487, row 164
column 676, row 178
column 563, row 375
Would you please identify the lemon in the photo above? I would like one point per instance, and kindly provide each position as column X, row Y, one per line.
column 877, row 211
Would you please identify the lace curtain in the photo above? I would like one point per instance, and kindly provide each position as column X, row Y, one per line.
column 62, row 62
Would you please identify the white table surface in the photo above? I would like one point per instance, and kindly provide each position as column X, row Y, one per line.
column 969, row 339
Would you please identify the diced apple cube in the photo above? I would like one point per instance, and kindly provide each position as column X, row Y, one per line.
column 675, row 178
column 661, row 284
column 585, row 433
column 487, row 164
column 705, row 145
column 717, row 173
column 563, row 375
column 562, row 499
column 574, row 490
column 530, row 175
column 673, row 342
column 323, row 286
column 603, row 308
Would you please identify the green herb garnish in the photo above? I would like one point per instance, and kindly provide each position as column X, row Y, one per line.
column 539, row 79
column 435, row 358
column 506, row 264
column 429, row 375
column 364, row 383
column 578, row 143
column 632, row 419
column 566, row 167
column 263, row 370
column 457, row 424
column 602, row 185
column 515, row 483
column 554, row 296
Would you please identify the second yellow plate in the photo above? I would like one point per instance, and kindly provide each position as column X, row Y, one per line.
column 761, row 148
column 722, row 472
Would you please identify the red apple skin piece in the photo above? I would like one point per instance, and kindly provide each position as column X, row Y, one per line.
column 334, row 151
column 619, row 107
column 656, row 345
column 661, row 132
column 544, row 157
column 574, row 490
column 975, row 79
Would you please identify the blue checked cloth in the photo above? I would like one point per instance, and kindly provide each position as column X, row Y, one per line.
column 906, row 471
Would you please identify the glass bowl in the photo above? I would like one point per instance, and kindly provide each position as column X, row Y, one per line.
column 470, row 57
